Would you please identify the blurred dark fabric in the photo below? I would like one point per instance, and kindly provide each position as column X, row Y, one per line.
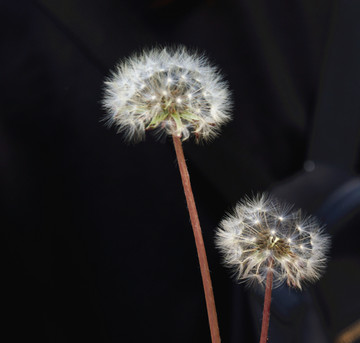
column 98, row 244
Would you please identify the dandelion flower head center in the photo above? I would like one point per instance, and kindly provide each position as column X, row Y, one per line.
column 278, row 246
column 273, row 234
column 179, row 102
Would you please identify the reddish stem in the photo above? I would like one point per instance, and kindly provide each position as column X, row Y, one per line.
column 267, row 302
column 200, row 247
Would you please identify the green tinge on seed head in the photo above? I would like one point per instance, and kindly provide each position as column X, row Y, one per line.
column 179, row 120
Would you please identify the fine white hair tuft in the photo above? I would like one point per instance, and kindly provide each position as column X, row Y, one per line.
column 262, row 234
column 169, row 90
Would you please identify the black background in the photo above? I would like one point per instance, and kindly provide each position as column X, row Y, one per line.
column 98, row 244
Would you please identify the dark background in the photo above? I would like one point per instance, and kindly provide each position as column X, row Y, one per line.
column 98, row 244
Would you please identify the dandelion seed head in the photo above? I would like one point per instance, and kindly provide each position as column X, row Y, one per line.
column 297, row 256
column 191, row 95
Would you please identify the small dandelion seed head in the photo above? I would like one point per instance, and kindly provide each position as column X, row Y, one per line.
column 296, row 256
column 192, row 97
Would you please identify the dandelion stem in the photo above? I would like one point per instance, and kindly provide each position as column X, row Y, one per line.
column 200, row 247
column 267, row 302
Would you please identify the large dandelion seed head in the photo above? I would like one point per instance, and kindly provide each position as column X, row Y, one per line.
column 170, row 91
column 263, row 235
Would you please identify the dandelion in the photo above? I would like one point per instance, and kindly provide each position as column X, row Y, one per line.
column 265, row 230
column 179, row 94
column 264, row 241
column 170, row 91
